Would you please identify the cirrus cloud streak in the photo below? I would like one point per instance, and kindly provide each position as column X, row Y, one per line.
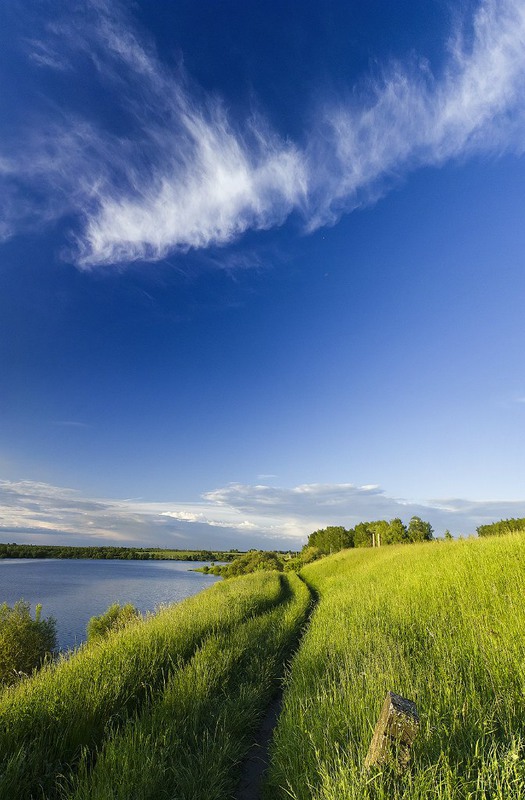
column 177, row 171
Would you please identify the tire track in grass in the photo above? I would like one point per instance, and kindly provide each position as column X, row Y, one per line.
column 257, row 760
column 66, row 709
column 190, row 744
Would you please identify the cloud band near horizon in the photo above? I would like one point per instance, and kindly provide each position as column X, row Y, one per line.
column 238, row 515
column 186, row 175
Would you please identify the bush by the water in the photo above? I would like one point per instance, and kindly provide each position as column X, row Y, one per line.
column 113, row 619
column 252, row 561
column 24, row 642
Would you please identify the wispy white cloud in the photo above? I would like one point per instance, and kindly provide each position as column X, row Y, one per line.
column 232, row 524
column 32, row 511
column 187, row 175
column 301, row 509
column 413, row 118
column 237, row 515
column 46, row 56
column 184, row 176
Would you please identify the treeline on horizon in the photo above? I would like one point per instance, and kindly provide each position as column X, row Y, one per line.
column 13, row 550
column 512, row 525
column 321, row 542
column 325, row 541
column 369, row 534
column 377, row 533
column 334, row 538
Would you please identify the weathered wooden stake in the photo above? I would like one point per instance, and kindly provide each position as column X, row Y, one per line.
column 394, row 733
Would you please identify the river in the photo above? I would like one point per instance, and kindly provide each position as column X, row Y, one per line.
column 74, row 590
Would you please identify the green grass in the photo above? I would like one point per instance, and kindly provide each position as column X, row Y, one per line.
column 166, row 708
column 189, row 743
column 442, row 624
column 67, row 709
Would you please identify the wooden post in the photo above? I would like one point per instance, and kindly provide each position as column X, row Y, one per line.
column 394, row 733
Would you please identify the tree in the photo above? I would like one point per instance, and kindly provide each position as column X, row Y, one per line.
column 331, row 539
column 419, row 531
column 362, row 535
column 24, row 642
column 396, row 533
column 448, row 536
column 379, row 530
column 310, row 554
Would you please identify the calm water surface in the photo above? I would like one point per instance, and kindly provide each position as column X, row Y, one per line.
column 72, row 591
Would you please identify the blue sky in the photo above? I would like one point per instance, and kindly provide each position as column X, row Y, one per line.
column 261, row 268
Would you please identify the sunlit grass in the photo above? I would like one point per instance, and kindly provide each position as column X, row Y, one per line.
column 441, row 624
column 67, row 709
column 189, row 743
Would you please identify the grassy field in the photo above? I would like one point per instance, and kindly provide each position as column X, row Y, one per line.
column 167, row 707
column 442, row 624
column 188, row 743
column 66, row 711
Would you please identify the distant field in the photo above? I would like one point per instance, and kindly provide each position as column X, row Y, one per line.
column 442, row 624
column 109, row 552
column 194, row 555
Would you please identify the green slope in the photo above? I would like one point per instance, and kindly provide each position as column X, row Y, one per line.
column 68, row 710
column 442, row 624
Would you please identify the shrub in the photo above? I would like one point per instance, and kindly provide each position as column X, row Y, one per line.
column 24, row 642
column 253, row 561
column 113, row 619
column 306, row 556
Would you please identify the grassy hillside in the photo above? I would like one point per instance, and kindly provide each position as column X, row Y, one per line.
column 189, row 742
column 442, row 624
column 68, row 710
column 166, row 707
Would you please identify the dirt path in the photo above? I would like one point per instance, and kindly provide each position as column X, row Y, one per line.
column 256, row 761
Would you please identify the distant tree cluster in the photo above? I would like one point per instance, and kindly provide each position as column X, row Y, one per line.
column 325, row 541
column 369, row 534
column 502, row 527
column 65, row 551
column 13, row 550
column 331, row 539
